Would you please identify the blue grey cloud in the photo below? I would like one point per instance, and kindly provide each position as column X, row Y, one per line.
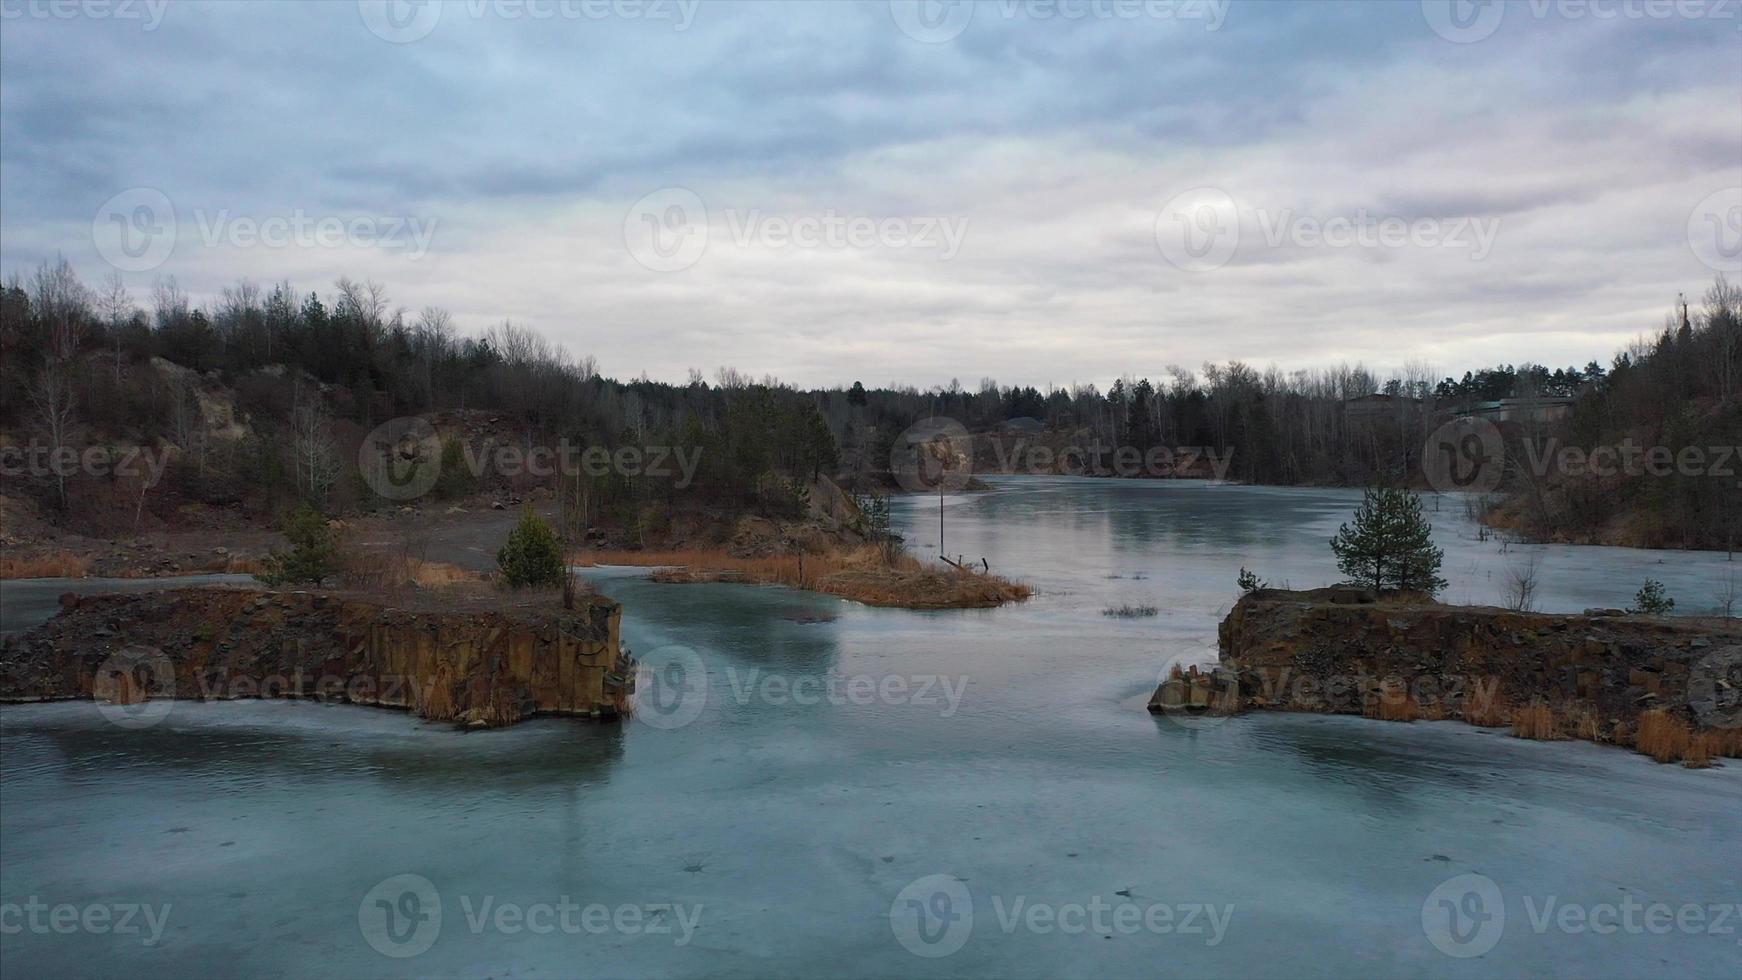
column 1056, row 141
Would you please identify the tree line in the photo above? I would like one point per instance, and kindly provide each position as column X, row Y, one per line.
column 313, row 371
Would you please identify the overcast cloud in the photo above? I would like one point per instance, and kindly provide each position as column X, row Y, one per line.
column 1038, row 192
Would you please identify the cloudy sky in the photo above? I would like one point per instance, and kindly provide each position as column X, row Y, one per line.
column 1037, row 192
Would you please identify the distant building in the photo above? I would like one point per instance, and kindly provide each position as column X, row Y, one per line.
column 1539, row 409
column 1376, row 407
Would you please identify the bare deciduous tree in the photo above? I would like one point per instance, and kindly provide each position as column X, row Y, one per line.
column 1521, row 584
column 51, row 396
column 313, row 455
column 116, row 305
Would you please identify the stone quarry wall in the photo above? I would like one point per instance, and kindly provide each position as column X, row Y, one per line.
column 476, row 668
column 1592, row 676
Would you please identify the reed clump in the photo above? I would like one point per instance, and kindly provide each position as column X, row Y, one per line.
column 1393, row 703
column 1486, row 711
column 1536, row 721
column 1662, row 736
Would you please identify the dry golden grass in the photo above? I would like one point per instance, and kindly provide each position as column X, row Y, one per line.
column 53, row 564
column 1486, row 711
column 862, row 574
column 372, row 568
column 1725, row 741
column 1538, row 722
column 1699, row 752
column 1393, row 704
column 1582, row 722
column 1662, row 736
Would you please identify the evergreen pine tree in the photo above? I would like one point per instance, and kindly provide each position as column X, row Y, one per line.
column 1390, row 544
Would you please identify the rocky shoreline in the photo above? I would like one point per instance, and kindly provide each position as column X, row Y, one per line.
column 1669, row 687
column 475, row 667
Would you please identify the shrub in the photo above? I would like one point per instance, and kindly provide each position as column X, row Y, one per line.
column 311, row 555
column 533, row 556
column 1250, row 582
column 455, row 479
column 1651, row 600
column 1129, row 611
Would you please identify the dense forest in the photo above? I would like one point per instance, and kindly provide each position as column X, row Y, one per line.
column 311, row 373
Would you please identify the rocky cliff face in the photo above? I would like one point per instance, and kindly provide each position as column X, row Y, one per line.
column 480, row 668
column 1593, row 676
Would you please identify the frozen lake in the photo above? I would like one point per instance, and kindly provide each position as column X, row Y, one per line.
column 818, row 788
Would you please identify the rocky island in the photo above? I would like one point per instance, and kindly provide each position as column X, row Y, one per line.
column 487, row 663
column 1671, row 688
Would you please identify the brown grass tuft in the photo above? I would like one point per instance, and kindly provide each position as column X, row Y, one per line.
column 1486, row 711
column 1537, row 722
column 863, row 574
column 1700, row 751
column 52, row 564
column 1393, row 704
column 1662, row 736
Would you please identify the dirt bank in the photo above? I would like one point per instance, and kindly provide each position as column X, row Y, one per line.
column 1670, row 687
